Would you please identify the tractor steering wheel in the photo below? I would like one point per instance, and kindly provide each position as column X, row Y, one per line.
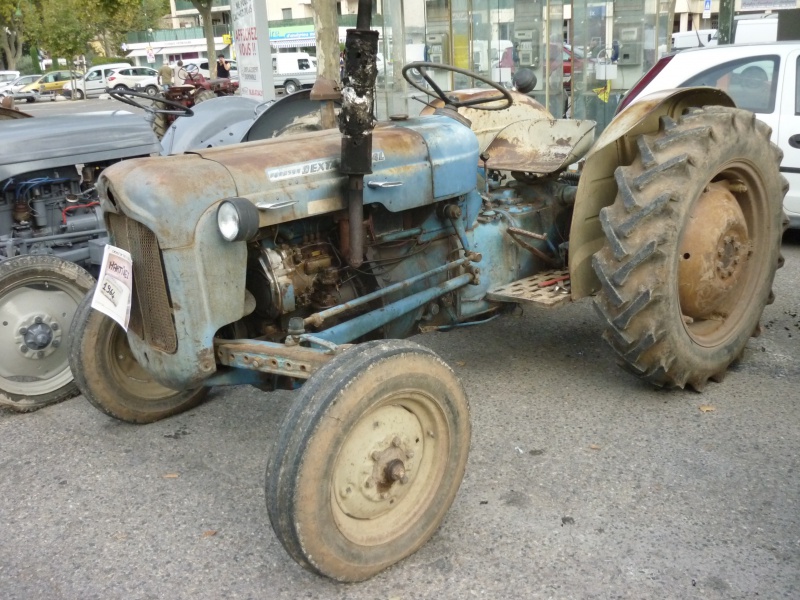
column 437, row 91
column 179, row 109
column 190, row 72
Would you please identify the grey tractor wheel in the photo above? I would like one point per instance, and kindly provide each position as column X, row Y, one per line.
column 291, row 86
column 109, row 376
column 368, row 460
column 203, row 95
column 692, row 245
column 39, row 296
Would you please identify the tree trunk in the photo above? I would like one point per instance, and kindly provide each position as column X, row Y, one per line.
column 204, row 8
column 12, row 47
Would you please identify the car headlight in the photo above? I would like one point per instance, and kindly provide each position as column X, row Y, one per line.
column 237, row 219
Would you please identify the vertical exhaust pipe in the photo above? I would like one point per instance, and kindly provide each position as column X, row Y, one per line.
column 356, row 121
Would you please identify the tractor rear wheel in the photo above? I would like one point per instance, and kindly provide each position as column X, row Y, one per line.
column 110, row 378
column 368, row 460
column 692, row 245
column 203, row 95
column 160, row 123
column 39, row 296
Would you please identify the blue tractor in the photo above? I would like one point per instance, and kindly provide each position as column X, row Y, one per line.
column 304, row 262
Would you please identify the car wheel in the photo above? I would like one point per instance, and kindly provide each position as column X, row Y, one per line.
column 30, row 99
column 79, row 94
column 291, row 86
column 120, row 87
column 151, row 90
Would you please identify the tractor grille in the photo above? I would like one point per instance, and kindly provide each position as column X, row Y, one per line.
column 151, row 312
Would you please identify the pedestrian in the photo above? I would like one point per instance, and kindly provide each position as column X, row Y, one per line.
column 165, row 76
column 180, row 74
column 515, row 57
column 223, row 67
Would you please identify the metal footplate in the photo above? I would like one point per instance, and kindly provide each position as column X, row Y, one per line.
column 548, row 289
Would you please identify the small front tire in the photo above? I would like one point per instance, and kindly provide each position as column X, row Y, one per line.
column 368, row 460
column 291, row 86
column 110, row 378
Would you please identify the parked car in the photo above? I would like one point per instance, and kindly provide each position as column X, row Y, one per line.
column 6, row 76
column 14, row 88
column 293, row 70
column 763, row 78
column 94, row 82
column 47, row 85
column 143, row 78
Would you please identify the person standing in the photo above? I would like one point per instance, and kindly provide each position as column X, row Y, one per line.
column 223, row 67
column 165, row 76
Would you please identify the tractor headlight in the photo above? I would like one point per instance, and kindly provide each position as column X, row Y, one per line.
column 237, row 219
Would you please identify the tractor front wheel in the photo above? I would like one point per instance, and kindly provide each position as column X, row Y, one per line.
column 692, row 245
column 109, row 376
column 368, row 459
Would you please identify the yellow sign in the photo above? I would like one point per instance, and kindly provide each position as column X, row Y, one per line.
column 226, row 39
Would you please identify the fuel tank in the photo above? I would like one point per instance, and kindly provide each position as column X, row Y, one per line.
column 415, row 162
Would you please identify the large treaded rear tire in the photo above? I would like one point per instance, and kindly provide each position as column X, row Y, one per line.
column 692, row 245
column 160, row 124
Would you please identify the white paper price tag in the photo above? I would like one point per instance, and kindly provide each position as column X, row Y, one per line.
column 112, row 296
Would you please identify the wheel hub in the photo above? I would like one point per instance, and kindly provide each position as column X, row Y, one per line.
column 377, row 470
column 713, row 253
column 38, row 336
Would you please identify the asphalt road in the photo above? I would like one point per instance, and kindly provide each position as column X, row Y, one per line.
column 582, row 482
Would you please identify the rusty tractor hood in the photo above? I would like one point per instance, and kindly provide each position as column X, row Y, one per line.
column 414, row 161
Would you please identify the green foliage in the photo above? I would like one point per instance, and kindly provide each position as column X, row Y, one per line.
column 107, row 60
column 66, row 28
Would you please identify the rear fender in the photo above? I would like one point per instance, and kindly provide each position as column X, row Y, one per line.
column 617, row 147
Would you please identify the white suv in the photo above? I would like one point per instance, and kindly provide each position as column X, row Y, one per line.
column 763, row 78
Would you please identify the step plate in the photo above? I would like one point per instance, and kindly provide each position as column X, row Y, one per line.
column 531, row 291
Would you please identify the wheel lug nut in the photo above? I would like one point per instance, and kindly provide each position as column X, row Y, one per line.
column 368, row 483
column 54, row 326
column 38, row 320
column 56, row 343
column 23, row 330
column 383, row 495
column 404, row 480
column 396, row 442
column 39, row 354
column 376, row 455
column 23, row 349
column 410, row 454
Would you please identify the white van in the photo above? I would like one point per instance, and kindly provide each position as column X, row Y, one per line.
column 94, row 82
column 293, row 70
column 755, row 29
column 697, row 38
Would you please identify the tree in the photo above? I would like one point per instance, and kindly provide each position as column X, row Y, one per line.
column 204, row 8
column 16, row 18
column 67, row 27
column 115, row 18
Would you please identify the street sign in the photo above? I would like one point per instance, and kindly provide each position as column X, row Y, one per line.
column 226, row 39
column 151, row 56
column 707, row 9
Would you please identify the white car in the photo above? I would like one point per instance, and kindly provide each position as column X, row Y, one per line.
column 762, row 78
column 143, row 78
column 13, row 88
